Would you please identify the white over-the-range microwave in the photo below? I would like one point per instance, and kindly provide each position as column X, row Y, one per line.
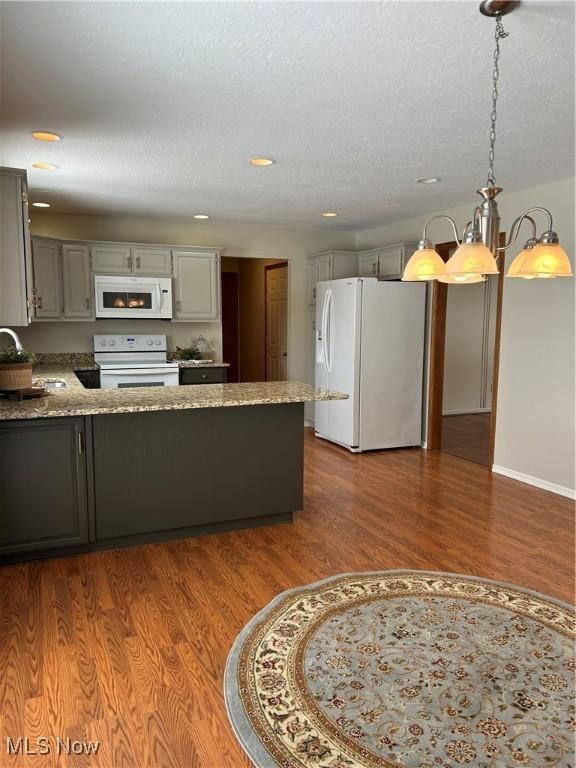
column 127, row 296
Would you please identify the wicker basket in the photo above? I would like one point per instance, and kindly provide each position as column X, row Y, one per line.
column 15, row 375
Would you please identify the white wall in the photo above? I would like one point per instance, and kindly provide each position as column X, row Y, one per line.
column 535, row 424
column 469, row 349
column 237, row 240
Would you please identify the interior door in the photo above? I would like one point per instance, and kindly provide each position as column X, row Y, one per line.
column 276, row 322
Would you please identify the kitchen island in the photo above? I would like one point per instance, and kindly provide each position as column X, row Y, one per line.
column 86, row 469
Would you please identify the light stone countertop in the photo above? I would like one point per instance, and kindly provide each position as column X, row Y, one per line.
column 75, row 400
column 85, row 361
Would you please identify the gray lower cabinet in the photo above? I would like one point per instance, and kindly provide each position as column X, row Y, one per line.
column 43, row 496
column 202, row 375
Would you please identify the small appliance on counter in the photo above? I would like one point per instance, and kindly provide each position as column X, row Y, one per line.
column 137, row 360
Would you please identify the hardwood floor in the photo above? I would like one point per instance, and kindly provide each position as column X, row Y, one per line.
column 128, row 647
column 467, row 435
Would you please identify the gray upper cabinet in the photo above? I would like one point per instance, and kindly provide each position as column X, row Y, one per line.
column 111, row 259
column 152, row 261
column 328, row 265
column 15, row 249
column 52, row 511
column 386, row 263
column 196, row 285
column 392, row 260
column 47, row 292
column 76, row 282
column 62, row 281
column 324, row 267
column 368, row 264
column 311, row 273
column 122, row 259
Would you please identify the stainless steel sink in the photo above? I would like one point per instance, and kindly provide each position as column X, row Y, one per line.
column 55, row 384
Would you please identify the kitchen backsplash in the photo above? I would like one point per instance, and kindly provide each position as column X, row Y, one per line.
column 71, row 337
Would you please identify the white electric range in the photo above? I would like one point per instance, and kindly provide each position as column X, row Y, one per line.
column 137, row 360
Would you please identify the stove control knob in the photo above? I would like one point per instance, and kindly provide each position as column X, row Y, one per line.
column 149, row 342
column 112, row 343
column 103, row 342
column 158, row 342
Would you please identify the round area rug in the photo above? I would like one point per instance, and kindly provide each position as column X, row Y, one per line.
column 405, row 668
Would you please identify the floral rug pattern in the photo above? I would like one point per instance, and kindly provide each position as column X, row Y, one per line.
column 411, row 669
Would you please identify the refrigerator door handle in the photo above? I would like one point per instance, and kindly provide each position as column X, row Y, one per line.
column 327, row 334
column 321, row 332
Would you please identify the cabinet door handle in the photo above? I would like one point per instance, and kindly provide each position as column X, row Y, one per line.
column 129, row 262
column 138, row 262
column 178, row 305
column 80, row 444
column 87, row 303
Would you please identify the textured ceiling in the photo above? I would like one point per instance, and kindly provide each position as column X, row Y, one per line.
column 161, row 104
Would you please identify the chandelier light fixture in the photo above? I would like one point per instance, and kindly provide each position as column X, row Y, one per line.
column 479, row 250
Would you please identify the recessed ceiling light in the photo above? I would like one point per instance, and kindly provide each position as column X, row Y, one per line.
column 41, row 205
column 45, row 166
column 46, row 136
column 261, row 161
column 428, row 180
column 329, row 214
column 201, row 216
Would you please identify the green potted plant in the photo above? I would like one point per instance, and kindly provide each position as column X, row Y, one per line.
column 15, row 368
column 188, row 353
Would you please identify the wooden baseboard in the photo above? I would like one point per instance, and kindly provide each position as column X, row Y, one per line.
column 545, row 485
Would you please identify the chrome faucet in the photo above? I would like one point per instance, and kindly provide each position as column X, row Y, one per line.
column 17, row 343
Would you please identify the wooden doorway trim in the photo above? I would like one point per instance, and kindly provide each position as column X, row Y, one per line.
column 231, row 323
column 278, row 265
column 437, row 351
column 496, row 369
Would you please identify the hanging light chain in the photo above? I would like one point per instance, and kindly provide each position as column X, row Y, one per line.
column 499, row 34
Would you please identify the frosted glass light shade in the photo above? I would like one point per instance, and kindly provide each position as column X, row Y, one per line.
column 514, row 268
column 472, row 259
column 461, row 279
column 545, row 260
column 424, row 264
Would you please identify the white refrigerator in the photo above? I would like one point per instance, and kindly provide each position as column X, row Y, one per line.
column 370, row 345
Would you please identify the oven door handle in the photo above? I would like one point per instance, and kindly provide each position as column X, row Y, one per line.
column 139, row 372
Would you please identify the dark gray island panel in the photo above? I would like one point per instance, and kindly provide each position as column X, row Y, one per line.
column 170, row 472
column 43, row 503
